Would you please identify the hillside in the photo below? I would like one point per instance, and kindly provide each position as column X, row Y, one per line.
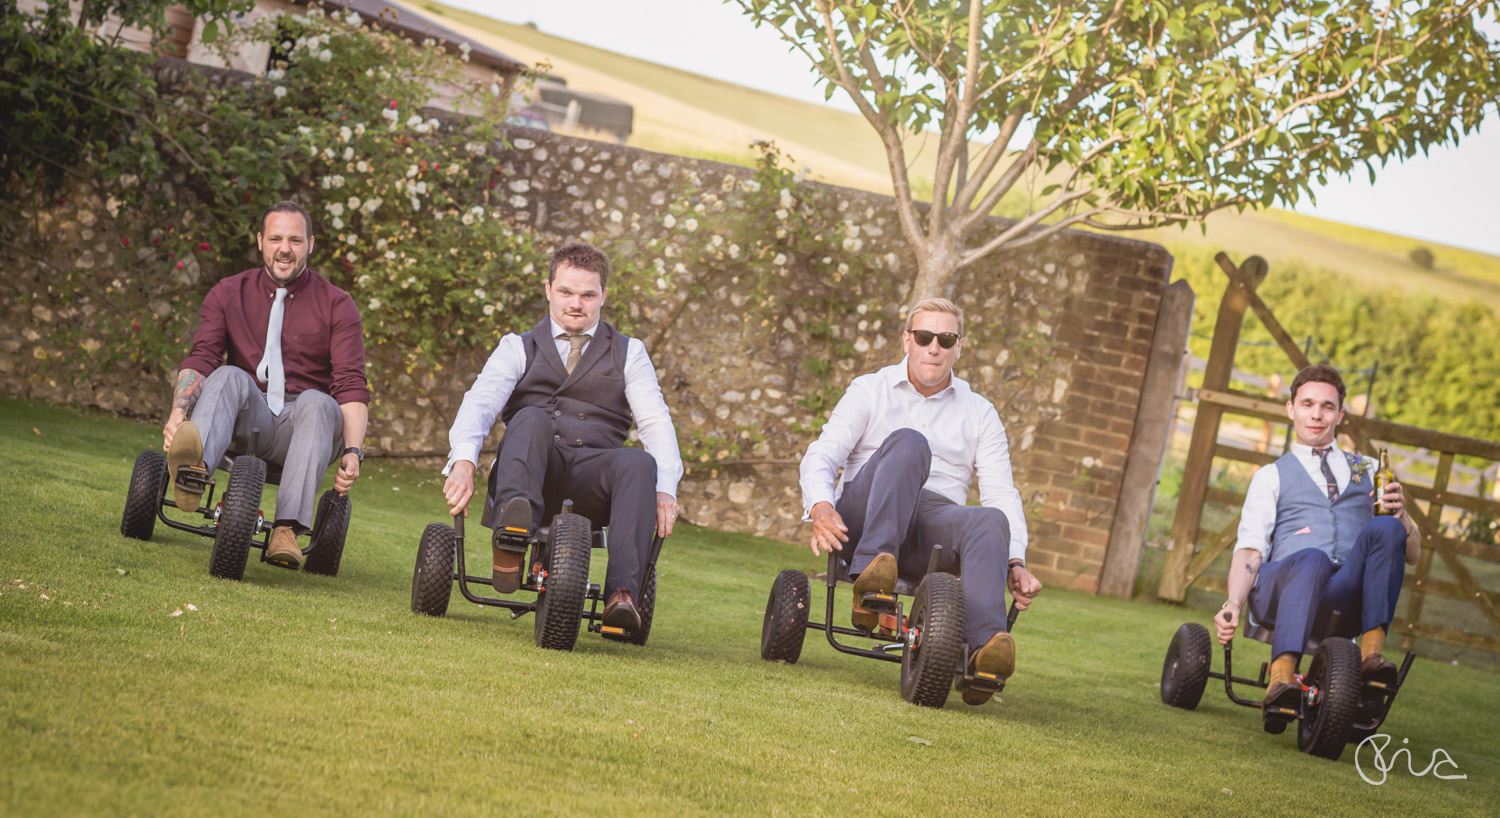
column 684, row 113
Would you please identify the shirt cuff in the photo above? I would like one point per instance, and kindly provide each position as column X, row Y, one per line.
column 469, row 453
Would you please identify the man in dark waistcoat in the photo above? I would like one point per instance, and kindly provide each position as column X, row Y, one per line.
column 1310, row 517
column 568, row 391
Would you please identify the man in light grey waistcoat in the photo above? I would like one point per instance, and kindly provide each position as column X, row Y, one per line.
column 568, row 391
column 1309, row 540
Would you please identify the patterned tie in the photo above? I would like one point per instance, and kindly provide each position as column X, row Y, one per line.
column 1333, row 485
column 575, row 349
column 270, row 369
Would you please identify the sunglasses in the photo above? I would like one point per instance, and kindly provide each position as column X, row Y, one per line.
column 946, row 340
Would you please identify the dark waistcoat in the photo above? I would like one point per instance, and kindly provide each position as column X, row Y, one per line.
column 588, row 405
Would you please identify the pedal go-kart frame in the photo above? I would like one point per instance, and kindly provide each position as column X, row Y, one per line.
column 236, row 523
column 1336, row 706
column 557, row 568
column 928, row 642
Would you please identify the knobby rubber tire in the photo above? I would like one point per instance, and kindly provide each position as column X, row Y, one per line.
column 928, row 668
column 646, row 608
column 432, row 578
column 330, row 529
column 785, row 625
column 1184, row 673
column 1328, row 726
column 559, row 608
column 147, row 487
column 238, row 518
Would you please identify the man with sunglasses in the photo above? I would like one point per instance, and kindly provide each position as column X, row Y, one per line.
column 911, row 438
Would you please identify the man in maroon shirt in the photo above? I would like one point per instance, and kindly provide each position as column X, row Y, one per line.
column 279, row 349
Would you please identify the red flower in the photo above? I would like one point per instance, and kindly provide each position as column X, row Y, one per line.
column 203, row 245
column 171, row 254
column 62, row 201
column 156, row 239
column 343, row 116
column 436, row 165
column 393, row 105
column 135, row 326
column 124, row 242
column 180, row 265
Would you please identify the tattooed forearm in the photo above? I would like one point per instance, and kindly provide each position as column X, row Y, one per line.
column 189, row 386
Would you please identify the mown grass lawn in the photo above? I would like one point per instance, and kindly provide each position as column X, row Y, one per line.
column 293, row 694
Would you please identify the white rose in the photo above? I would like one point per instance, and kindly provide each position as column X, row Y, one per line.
column 780, row 259
column 325, row 55
column 669, row 222
column 280, row 91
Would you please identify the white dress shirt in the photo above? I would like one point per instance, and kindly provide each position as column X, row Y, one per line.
column 962, row 429
column 491, row 390
column 1258, row 517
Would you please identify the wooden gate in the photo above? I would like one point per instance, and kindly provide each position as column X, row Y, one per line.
column 1193, row 548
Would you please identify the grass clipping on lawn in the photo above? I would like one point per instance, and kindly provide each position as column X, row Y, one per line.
column 133, row 683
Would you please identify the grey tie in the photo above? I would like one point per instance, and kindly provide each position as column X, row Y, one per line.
column 270, row 369
column 575, row 349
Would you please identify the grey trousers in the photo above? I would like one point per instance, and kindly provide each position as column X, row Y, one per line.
column 306, row 437
column 614, row 487
column 888, row 512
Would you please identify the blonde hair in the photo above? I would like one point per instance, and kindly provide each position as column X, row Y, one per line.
column 936, row 305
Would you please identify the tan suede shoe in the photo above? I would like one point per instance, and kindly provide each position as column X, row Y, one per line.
column 283, row 549
column 997, row 660
column 187, row 450
column 878, row 577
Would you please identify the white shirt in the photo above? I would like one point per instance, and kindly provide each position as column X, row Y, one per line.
column 962, row 429
column 491, row 390
column 1258, row 517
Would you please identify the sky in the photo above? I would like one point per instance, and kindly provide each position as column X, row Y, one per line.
column 1451, row 196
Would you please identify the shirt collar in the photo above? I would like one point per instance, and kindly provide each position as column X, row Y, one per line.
column 297, row 284
column 559, row 332
column 895, row 375
column 1306, row 452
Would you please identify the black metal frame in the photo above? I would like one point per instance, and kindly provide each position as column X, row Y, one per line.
column 1389, row 696
column 536, row 543
column 888, row 605
column 204, row 479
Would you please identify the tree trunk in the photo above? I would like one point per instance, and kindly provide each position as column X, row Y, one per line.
column 937, row 267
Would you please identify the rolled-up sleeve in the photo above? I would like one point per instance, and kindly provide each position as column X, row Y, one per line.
column 653, row 420
column 997, row 485
column 210, row 340
column 346, row 345
column 1258, row 515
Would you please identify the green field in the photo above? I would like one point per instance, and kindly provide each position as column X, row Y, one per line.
column 295, row 694
column 688, row 114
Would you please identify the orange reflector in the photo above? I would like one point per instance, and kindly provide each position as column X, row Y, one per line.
column 610, row 629
column 985, row 675
column 884, row 596
column 518, row 530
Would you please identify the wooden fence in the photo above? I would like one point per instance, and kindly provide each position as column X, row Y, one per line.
column 1194, row 548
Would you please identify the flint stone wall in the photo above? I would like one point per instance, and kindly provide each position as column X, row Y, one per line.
column 1068, row 398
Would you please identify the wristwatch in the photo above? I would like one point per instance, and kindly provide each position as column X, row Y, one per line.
column 355, row 450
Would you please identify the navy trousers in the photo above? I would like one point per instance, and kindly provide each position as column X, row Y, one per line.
column 889, row 512
column 613, row 487
column 1289, row 593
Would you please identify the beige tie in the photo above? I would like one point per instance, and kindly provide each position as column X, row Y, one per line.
column 575, row 349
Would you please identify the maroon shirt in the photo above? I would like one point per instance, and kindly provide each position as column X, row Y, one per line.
column 322, row 342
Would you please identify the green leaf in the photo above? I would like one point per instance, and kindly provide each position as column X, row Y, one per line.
column 210, row 32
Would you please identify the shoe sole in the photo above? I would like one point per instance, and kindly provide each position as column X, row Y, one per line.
column 623, row 617
column 998, row 656
column 878, row 577
column 505, row 564
column 187, row 450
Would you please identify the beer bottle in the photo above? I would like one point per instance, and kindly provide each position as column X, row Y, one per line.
column 1383, row 478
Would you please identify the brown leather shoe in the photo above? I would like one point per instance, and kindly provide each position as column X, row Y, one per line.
column 1378, row 673
column 506, row 558
column 996, row 660
column 187, row 450
column 620, row 611
column 283, row 549
column 878, row 577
